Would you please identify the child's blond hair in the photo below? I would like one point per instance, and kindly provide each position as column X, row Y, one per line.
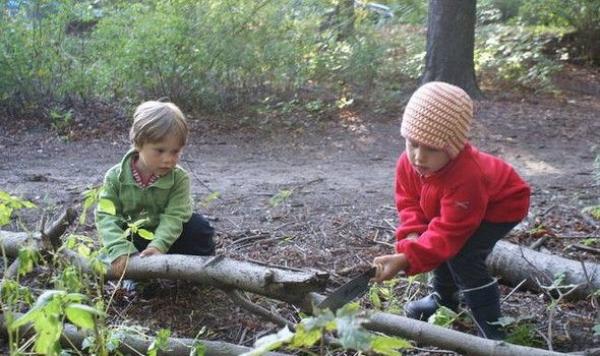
column 153, row 121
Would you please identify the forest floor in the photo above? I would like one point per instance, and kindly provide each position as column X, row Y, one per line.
column 337, row 171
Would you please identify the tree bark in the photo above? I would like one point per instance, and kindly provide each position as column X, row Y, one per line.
column 139, row 344
column 516, row 263
column 451, row 44
column 275, row 282
column 429, row 334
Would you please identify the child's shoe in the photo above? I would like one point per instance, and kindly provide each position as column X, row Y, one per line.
column 425, row 307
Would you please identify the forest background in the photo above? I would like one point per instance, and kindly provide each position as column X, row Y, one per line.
column 303, row 98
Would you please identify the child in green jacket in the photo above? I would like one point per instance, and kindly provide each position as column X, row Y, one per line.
column 149, row 186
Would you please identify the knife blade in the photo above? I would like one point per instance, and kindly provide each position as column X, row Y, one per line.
column 348, row 292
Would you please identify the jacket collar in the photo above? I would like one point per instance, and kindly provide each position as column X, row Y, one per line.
column 126, row 176
column 448, row 167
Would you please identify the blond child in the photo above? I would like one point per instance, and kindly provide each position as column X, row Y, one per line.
column 149, row 185
column 454, row 203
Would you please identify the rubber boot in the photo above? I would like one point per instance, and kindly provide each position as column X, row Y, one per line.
column 484, row 303
column 423, row 308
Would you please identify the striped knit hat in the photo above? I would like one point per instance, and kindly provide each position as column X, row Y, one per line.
column 438, row 115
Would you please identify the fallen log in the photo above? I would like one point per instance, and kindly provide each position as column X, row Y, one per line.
column 429, row 334
column 134, row 344
column 464, row 344
column 516, row 263
column 277, row 282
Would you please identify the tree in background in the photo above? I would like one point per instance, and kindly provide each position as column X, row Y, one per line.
column 450, row 44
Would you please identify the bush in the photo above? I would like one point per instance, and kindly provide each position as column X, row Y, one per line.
column 514, row 55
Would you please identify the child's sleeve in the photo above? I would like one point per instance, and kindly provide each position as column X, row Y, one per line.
column 461, row 213
column 411, row 216
column 177, row 212
column 109, row 225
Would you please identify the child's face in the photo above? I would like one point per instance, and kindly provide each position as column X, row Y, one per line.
column 159, row 158
column 426, row 160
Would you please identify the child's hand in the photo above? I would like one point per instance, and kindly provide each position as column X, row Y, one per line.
column 388, row 266
column 118, row 265
column 150, row 251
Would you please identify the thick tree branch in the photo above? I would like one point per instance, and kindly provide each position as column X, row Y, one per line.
column 277, row 282
column 516, row 263
column 139, row 344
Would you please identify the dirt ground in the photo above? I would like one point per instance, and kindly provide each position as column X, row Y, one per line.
column 339, row 174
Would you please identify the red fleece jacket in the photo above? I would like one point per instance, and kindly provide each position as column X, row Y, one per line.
column 447, row 207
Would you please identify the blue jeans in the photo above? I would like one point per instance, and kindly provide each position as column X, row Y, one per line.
column 195, row 239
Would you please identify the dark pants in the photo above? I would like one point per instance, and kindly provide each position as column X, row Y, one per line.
column 195, row 239
column 468, row 269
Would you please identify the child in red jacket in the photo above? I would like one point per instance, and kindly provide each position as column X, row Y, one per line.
column 454, row 203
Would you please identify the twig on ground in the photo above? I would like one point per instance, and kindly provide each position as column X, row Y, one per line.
column 513, row 290
column 584, row 248
column 539, row 242
column 244, row 302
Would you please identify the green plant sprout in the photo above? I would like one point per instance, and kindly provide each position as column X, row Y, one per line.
column 48, row 314
column 282, row 196
column 10, row 203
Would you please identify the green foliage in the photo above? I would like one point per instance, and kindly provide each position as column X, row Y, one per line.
column 28, row 259
column 61, row 120
column 581, row 15
column 514, row 55
column 213, row 54
column 383, row 296
column 13, row 293
column 90, row 198
column 593, row 211
column 443, row 317
column 282, row 196
column 520, row 331
column 210, row 198
column 346, row 324
column 412, row 12
column 47, row 316
column 10, row 203
column 160, row 343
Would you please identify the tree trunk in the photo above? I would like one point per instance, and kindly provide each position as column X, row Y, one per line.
column 451, row 43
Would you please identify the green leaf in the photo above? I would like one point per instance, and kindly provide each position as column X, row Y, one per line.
column 387, row 345
column 270, row 342
column 443, row 317
column 81, row 315
column 210, row 198
column 28, row 258
column 145, row 234
column 48, row 333
column 115, row 338
column 5, row 214
column 83, row 250
column 374, row 297
column 26, row 318
column 199, row 349
column 280, row 197
column 160, row 342
column 107, row 206
column 306, row 338
column 48, row 297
